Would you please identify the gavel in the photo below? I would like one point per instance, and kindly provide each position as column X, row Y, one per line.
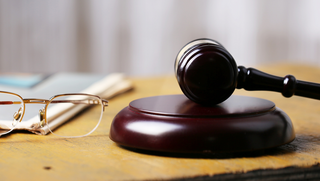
column 208, row 75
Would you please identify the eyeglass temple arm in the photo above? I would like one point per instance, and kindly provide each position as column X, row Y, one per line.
column 9, row 102
column 87, row 101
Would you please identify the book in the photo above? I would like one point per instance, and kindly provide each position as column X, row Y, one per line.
column 22, row 80
column 44, row 87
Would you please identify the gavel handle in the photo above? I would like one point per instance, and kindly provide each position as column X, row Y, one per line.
column 253, row 79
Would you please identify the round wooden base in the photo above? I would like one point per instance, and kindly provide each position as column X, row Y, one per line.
column 173, row 123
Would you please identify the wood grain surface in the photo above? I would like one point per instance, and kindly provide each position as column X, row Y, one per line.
column 26, row 156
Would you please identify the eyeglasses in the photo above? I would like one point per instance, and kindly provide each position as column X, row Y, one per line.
column 55, row 116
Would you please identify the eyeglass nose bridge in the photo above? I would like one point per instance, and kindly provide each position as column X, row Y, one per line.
column 35, row 101
column 42, row 117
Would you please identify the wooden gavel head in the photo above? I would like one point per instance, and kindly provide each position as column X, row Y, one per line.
column 206, row 72
column 208, row 75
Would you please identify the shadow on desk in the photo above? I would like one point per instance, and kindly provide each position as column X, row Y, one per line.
column 208, row 155
column 300, row 144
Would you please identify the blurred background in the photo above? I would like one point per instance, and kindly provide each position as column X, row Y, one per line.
column 143, row 37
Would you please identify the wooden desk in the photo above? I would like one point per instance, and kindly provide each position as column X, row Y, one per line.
column 26, row 156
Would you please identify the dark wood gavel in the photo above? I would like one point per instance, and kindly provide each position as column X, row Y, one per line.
column 208, row 75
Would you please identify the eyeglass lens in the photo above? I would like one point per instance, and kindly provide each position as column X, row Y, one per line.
column 11, row 112
column 88, row 112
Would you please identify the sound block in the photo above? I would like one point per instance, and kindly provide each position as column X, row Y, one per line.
column 173, row 123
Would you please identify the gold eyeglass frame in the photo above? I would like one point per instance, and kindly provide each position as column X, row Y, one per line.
column 43, row 112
